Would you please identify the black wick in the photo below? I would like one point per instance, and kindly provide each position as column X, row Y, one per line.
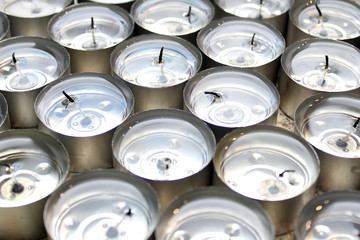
column 5, row 164
column 282, row 174
column 189, row 12
column 214, row 94
column 92, row 26
column 14, row 58
column 261, row 2
column 68, row 97
column 326, row 62
column 161, row 55
column 253, row 39
column 356, row 124
column 318, row 9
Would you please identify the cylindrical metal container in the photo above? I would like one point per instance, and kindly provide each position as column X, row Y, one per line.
column 102, row 204
column 214, row 213
column 170, row 148
column 274, row 12
column 4, row 26
column 32, row 166
column 272, row 165
column 82, row 110
column 330, row 123
column 314, row 66
column 227, row 98
column 30, row 18
column 181, row 18
column 156, row 68
column 90, row 31
column 4, row 114
column 331, row 19
column 242, row 43
column 333, row 215
column 27, row 64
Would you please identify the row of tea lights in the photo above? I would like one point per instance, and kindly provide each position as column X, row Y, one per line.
column 89, row 114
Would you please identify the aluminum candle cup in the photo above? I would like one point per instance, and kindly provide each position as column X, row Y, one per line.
column 89, row 31
column 243, row 43
column 182, row 18
column 332, row 215
column 168, row 147
column 4, row 26
column 313, row 66
column 272, row 165
column 31, row 17
column 156, row 68
column 229, row 97
column 331, row 19
column 125, row 4
column 214, row 213
column 102, row 205
column 27, row 64
column 4, row 114
column 274, row 12
column 83, row 110
column 32, row 166
column 329, row 123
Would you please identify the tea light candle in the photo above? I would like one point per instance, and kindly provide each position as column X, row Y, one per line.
column 214, row 213
column 274, row 12
column 272, row 165
column 4, row 114
column 83, row 110
column 183, row 18
column 333, row 19
column 171, row 148
column 4, row 26
column 313, row 66
column 89, row 206
column 330, row 123
column 90, row 31
column 30, row 17
column 332, row 215
column 32, row 166
column 156, row 68
column 229, row 97
column 27, row 64
column 243, row 43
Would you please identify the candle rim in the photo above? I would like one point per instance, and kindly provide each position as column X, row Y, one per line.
column 201, row 76
column 296, row 48
column 217, row 23
column 65, row 3
column 5, row 22
column 169, row 113
column 113, row 1
column 299, row 6
column 216, row 193
column 51, row 145
column 120, row 12
column 4, row 109
column 137, row 40
column 141, row 186
column 137, row 4
column 231, row 137
column 121, row 87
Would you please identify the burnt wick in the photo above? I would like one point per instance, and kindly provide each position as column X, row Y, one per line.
column 318, row 9
column 253, row 40
column 261, row 2
column 161, row 55
column 92, row 26
column 129, row 213
column 68, row 97
column 189, row 12
column 326, row 62
column 17, row 188
column 356, row 124
column 285, row 171
column 14, row 60
column 214, row 94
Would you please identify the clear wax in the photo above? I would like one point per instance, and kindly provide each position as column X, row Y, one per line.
column 339, row 20
column 171, row 17
column 253, row 9
column 32, row 8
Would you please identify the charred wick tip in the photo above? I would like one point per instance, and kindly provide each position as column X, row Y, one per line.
column 13, row 58
column 356, row 123
column 282, row 174
column 161, row 55
column 318, row 9
column 326, row 62
column 68, row 97
column 92, row 26
column 17, row 188
column 253, row 39
column 189, row 12
column 214, row 94
column 129, row 212
column 261, row 2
